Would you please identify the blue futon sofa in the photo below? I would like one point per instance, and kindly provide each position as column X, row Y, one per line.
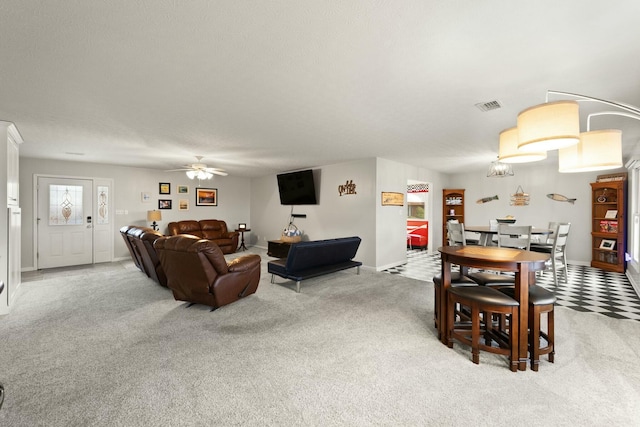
column 315, row 258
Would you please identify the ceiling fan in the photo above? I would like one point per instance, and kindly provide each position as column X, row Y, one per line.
column 200, row 170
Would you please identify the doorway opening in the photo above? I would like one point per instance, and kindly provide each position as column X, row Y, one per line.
column 419, row 213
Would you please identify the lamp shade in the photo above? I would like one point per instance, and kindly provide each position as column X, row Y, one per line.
column 509, row 153
column 549, row 126
column 597, row 150
column 154, row 215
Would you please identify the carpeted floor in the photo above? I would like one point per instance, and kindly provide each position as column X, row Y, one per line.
column 106, row 346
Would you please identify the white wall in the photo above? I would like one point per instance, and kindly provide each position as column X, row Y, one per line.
column 233, row 197
column 382, row 228
column 537, row 181
column 333, row 216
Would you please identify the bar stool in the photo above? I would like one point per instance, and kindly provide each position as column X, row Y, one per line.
column 457, row 279
column 484, row 302
column 541, row 301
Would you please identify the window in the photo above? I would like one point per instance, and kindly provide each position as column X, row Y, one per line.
column 65, row 205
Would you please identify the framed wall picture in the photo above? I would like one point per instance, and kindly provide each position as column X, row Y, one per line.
column 206, row 197
column 183, row 205
column 145, row 197
column 608, row 244
column 165, row 188
column 183, row 189
column 164, row 204
column 392, row 199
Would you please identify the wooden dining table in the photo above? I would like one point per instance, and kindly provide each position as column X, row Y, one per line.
column 523, row 263
column 487, row 232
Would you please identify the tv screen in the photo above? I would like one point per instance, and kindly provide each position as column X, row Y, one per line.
column 297, row 188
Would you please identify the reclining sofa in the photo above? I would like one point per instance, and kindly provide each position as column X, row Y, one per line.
column 210, row 229
column 139, row 241
column 315, row 258
column 197, row 271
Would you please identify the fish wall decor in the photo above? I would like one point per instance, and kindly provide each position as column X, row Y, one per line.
column 560, row 198
column 486, row 199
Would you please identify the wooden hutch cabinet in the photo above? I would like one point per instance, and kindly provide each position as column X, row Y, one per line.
column 452, row 209
column 608, row 225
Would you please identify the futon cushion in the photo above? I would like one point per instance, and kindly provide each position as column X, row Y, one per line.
column 318, row 253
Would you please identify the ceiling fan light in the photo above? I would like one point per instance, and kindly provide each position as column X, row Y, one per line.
column 549, row 126
column 597, row 150
column 508, row 151
column 191, row 174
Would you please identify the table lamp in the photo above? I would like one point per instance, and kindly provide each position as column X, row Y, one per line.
column 154, row 216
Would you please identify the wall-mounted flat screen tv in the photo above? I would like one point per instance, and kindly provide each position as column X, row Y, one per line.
column 297, row 188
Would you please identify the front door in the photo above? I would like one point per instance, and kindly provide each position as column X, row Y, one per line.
column 64, row 221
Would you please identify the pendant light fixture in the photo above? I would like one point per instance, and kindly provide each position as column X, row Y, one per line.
column 597, row 150
column 499, row 170
column 509, row 153
column 549, row 126
column 556, row 125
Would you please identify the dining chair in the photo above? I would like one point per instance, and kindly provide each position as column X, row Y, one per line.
column 514, row 236
column 509, row 236
column 557, row 250
column 456, row 234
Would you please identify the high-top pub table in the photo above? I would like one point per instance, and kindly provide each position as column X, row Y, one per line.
column 523, row 263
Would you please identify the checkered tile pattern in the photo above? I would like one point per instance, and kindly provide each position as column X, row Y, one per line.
column 589, row 289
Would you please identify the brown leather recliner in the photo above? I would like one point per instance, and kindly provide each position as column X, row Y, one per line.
column 128, row 241
column 210, row 229
column 150, row 258
column 139, row 241
column 197, row 271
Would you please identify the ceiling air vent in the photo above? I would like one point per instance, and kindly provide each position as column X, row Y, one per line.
column 488, row 106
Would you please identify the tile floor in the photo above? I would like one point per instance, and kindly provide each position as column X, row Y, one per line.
column 589, row 289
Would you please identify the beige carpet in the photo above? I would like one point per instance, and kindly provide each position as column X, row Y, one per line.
column 108, row 347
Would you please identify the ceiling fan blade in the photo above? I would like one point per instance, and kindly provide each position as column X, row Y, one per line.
column 178, row 170
column 216, row 171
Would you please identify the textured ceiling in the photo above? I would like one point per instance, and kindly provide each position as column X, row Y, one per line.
column 257, row 87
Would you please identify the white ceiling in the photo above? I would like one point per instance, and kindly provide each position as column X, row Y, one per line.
column 258, row 87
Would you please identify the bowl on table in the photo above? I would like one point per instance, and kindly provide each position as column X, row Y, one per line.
column 506, row 220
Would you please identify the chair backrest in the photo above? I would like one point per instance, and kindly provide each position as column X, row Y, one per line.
column 553, row 226
column 514, row 236
column 455, row 233
column 560, row 239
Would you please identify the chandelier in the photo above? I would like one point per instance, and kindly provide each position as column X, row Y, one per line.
column 556, row 126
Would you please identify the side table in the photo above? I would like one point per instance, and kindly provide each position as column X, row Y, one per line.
column 278, row 248
column 241, row 231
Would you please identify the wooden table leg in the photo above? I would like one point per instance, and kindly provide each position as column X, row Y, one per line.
column 522, row 295
column 444, row 297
